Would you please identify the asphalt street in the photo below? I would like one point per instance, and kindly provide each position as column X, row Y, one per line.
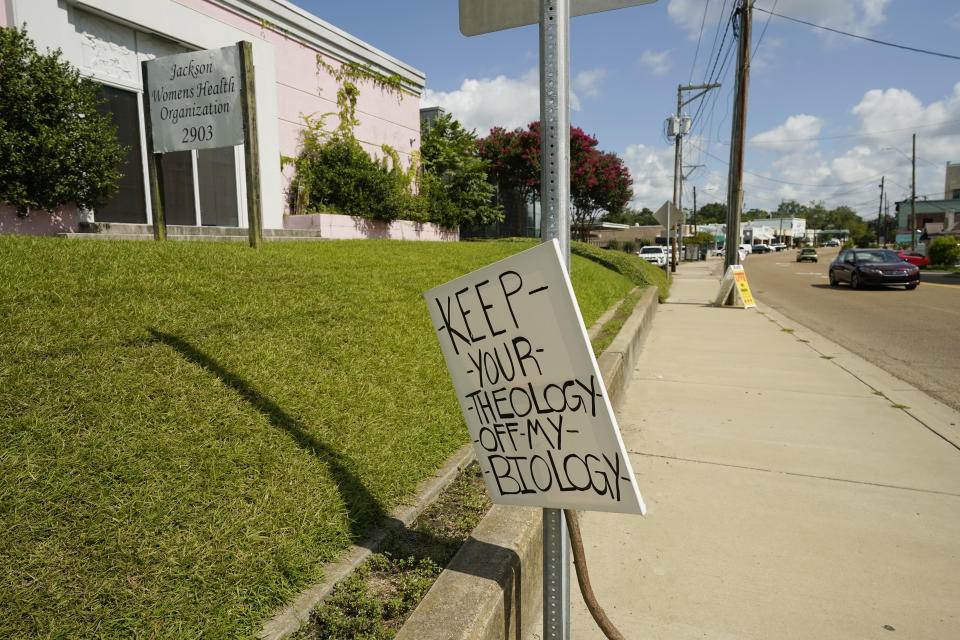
column 910, row 334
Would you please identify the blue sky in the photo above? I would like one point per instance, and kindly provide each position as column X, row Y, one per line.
column 828, row 115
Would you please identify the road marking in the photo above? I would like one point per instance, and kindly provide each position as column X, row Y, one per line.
column 937, row 284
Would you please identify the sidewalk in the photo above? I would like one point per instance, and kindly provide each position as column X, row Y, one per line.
column 786, row 497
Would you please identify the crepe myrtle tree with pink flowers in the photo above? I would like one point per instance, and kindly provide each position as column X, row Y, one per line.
column 599, row 181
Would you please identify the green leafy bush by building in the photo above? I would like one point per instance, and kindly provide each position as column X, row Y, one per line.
column 943, row 251
column 55, row 147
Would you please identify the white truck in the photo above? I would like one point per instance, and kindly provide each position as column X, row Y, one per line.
column 655, row 254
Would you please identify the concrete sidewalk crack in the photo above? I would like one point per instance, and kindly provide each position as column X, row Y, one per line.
column 794, row 473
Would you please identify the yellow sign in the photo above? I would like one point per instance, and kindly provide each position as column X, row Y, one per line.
column 740, row 277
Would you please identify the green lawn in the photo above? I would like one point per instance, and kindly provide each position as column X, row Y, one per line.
column 188, row 431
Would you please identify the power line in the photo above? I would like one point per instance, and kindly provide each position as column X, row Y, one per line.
column 765, row 25
column 853, row 35
column 703, row 21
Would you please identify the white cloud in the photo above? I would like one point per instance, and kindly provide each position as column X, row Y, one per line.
column 791, row 136
column 493, row 102
column 652, row 173
column 587, row 82
column 689, row 14
column 857, row 16
column 954, row 20
column 657, row 62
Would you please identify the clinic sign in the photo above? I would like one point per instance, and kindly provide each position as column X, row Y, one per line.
column 195, row 100
column 529, row 386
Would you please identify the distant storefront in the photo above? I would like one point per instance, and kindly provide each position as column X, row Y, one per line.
column 107, row 40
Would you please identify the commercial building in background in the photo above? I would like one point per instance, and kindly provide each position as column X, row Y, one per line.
column 951, row 188
column 931, row 218
column 108, row 39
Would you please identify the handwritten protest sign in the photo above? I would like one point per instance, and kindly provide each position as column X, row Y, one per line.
column 529, row 386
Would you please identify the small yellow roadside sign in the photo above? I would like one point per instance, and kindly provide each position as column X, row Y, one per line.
column 735, row 277
column 740, row 276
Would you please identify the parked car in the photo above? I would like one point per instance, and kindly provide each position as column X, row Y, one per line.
column 873, row 267
column 746, row 248
column 914, row 258
column 762, row 248
column 778, row 246
column 832, row 242
column 807, row 253
column 655, row 254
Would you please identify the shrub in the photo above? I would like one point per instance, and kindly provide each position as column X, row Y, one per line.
column 338, row 174
column 629, row 246
column 55, row 148
column 614, row 245
column 639, row 271
column 943, row 251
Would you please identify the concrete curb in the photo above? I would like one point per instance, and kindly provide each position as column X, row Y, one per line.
column 492, row 589
column 289, row 620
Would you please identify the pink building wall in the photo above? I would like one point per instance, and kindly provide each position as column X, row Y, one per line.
column 338, row 227
column 305, row 88
column 39, row 223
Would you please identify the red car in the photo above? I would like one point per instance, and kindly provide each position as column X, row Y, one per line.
column 914, row 258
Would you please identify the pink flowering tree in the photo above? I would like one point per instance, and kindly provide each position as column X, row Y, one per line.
column 599, row 181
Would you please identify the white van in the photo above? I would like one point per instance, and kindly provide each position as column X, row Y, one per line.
column 746, row 248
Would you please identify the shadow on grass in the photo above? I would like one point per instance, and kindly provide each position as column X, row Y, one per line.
column 365, row 512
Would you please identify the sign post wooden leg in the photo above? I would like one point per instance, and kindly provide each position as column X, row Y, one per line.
column 251, row 149
column 154, row 166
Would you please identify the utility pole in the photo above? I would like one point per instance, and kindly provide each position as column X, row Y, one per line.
column 886, row 218
column 682, row 128
column 880, row 215
column 735, row 180
column 913, row 196
column 695, row 230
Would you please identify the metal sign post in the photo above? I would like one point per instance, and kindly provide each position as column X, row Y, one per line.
column 555, row 200
column 484, row 16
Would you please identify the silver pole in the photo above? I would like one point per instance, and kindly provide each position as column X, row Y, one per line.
column 555, row 202
column 555, row 122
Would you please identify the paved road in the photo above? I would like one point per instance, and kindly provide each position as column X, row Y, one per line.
column 911, row 334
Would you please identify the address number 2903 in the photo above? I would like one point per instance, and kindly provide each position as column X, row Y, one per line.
column 197, row 134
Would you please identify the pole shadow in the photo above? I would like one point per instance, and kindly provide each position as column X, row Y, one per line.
column 364, row 510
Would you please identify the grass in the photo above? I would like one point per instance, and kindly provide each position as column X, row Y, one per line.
column 612, row 327
column 190, row 430
column 374, row 601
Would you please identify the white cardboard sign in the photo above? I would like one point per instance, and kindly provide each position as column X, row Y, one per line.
column 195, row 100
column 529, row 386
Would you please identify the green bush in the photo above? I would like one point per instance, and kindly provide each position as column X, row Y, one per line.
column 943, row 251
column 639, row 271
column 614, row 245
column 55, row 147
column 629, row 246
column 337, row 174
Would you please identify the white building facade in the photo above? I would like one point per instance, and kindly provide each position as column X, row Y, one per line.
column 293, row 55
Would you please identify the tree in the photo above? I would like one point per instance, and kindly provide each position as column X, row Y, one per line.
column 55, row 147
column 754, row 214
column 713, row 212
column 513, row 159
column 454, row 178
column 791, row 208
column 630, row 216
column 599, row 181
